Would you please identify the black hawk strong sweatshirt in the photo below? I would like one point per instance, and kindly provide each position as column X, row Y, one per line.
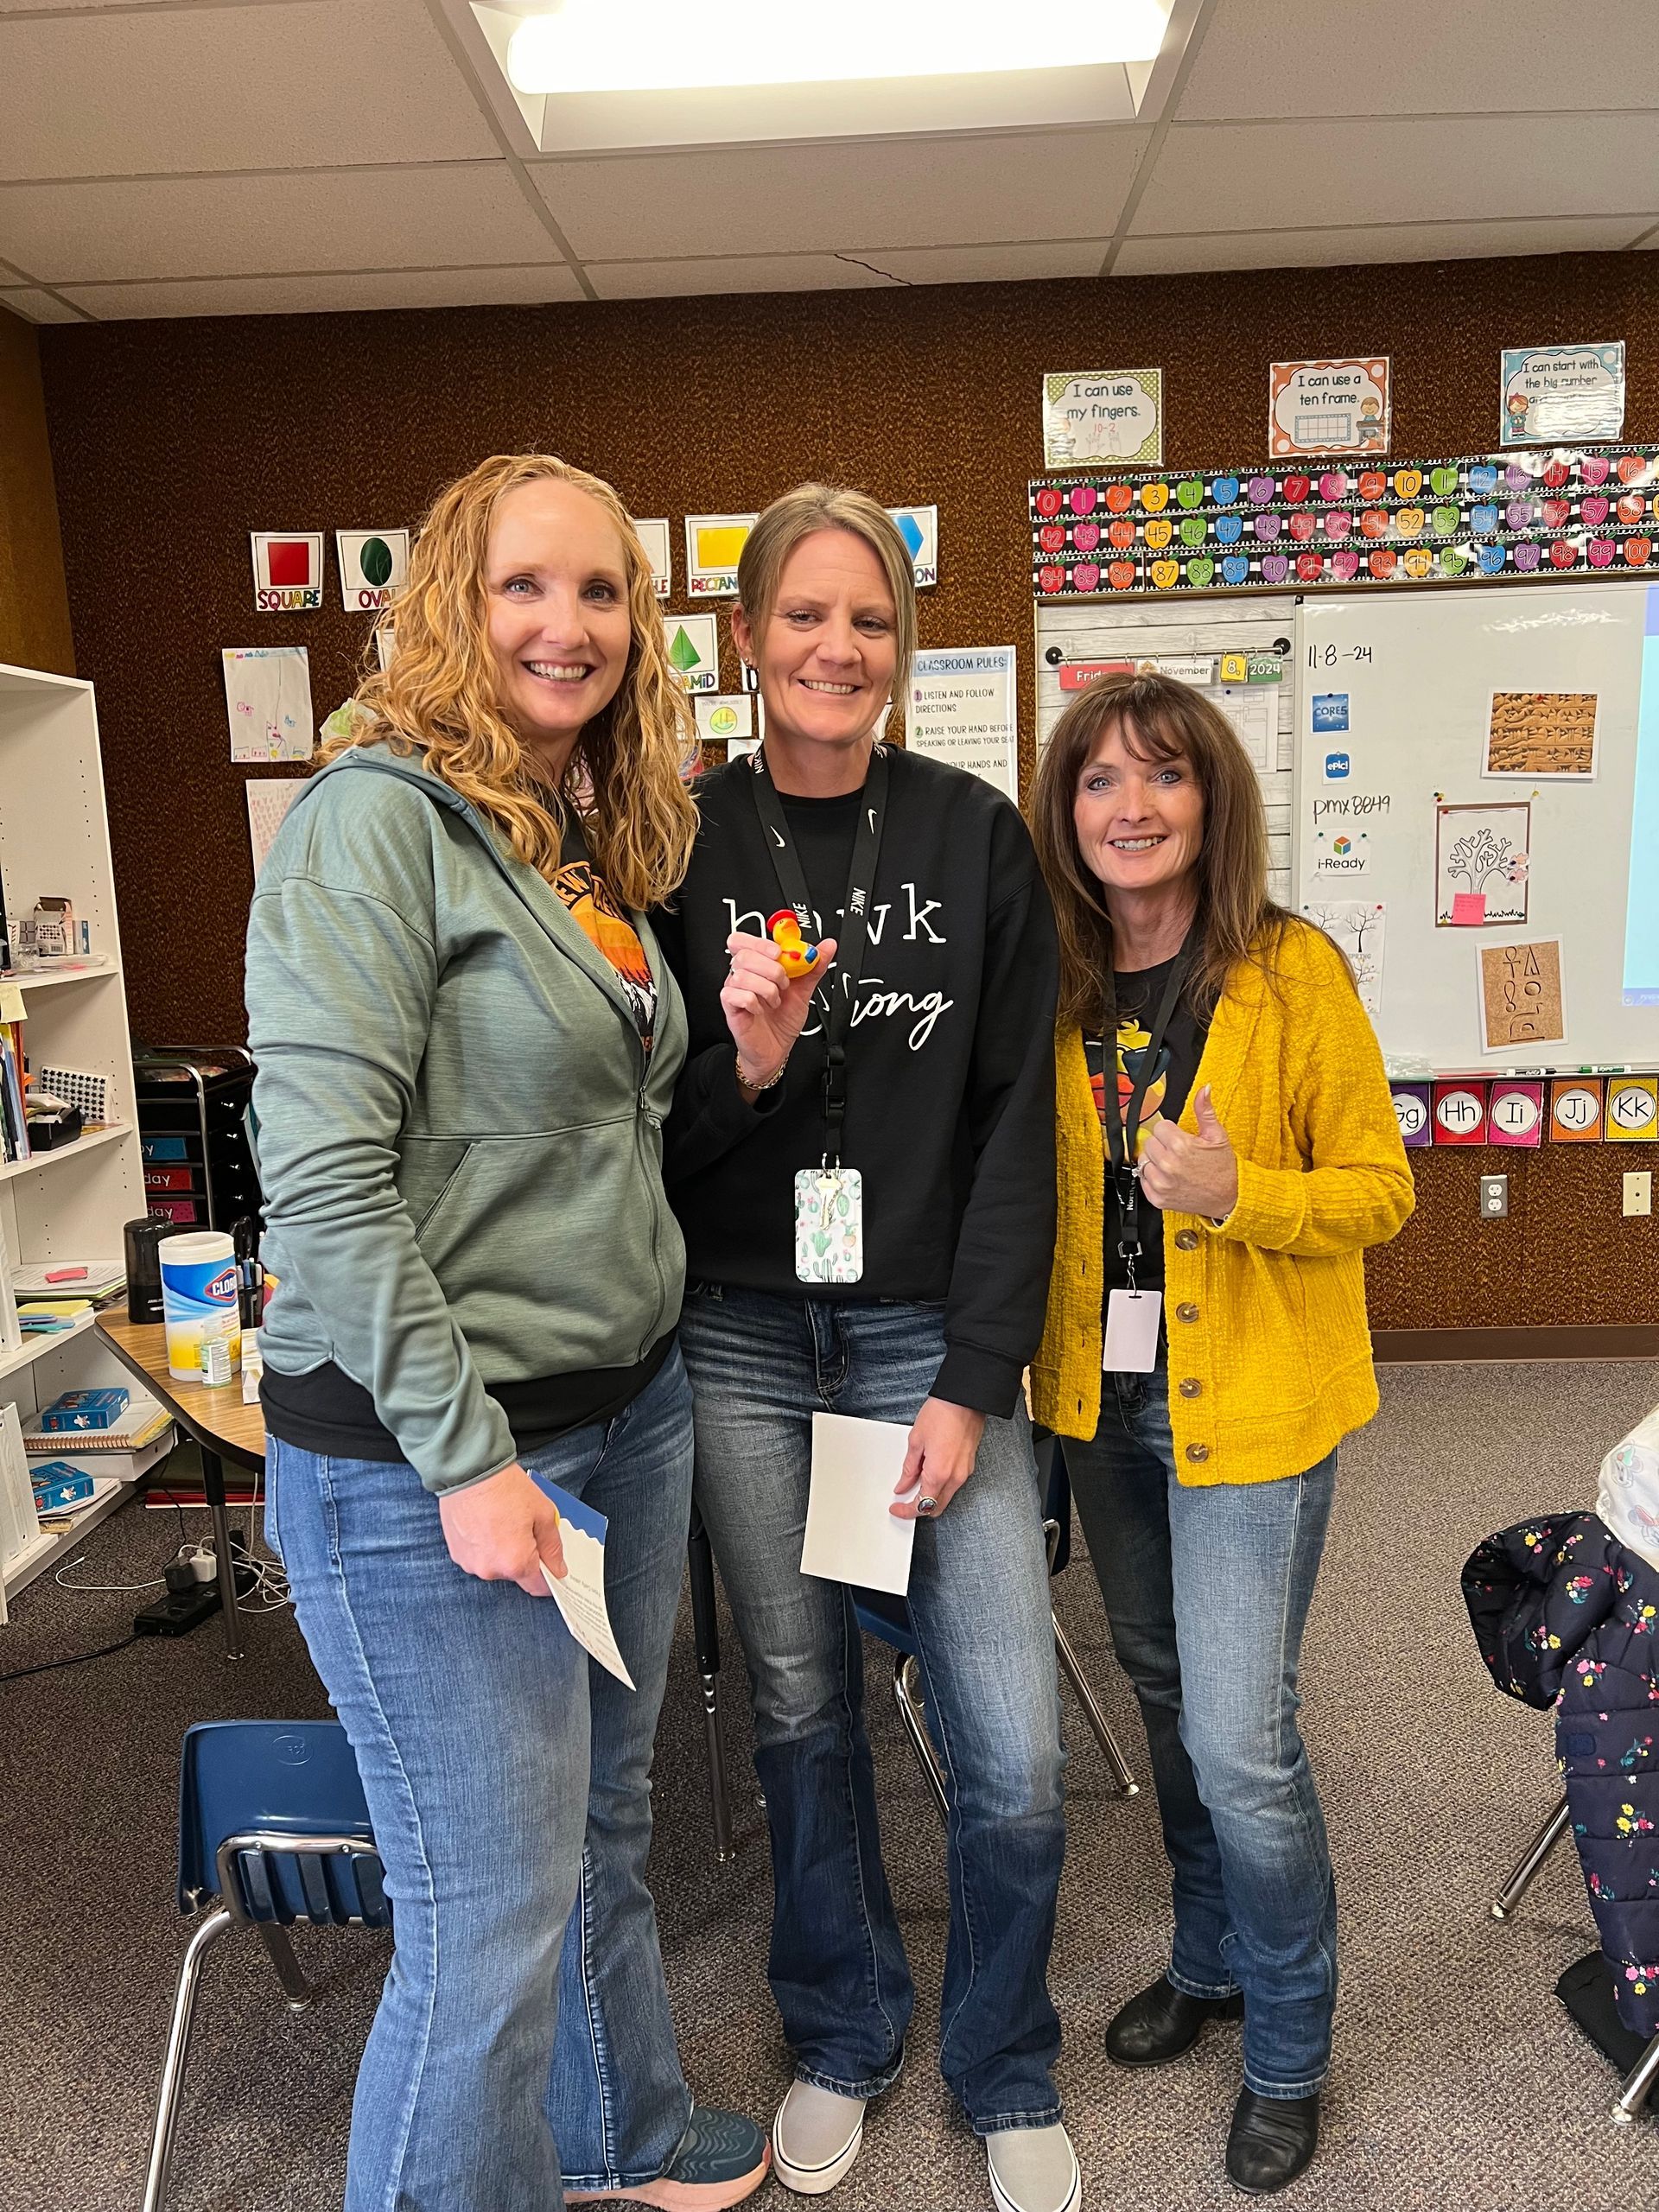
column 949, row 1065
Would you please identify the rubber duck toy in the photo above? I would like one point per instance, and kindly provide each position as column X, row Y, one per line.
column 795, row 956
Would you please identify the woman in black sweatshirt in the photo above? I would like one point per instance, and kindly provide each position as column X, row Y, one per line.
column 861, row 1158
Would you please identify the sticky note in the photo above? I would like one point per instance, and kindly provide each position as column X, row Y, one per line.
column 1468, row 910
column 1515, row 1113
column 1633, row 1108
column 11, row 1002
column 1461, row 1113
column 1575, row 1109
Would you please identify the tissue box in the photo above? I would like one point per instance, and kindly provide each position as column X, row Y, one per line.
column 57, row 1484
column 84, row 1409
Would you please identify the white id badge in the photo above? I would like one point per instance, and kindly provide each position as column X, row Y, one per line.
column 1132, row 1319
column 829, row 1224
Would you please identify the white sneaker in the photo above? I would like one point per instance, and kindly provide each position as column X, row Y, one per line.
column 814, row 2139
column 1034, row 2170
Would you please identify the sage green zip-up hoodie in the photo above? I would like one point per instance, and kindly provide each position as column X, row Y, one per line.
column 459, row 1139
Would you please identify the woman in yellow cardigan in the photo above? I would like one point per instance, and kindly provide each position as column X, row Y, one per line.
column 1206, row 1346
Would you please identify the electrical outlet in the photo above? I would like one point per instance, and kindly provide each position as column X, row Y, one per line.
column 1494, row 1197
column 1638, row 1192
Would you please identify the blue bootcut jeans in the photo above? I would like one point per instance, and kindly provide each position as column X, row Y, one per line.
column 979, row 1607
column 1207, row 1591
column 525, row 2022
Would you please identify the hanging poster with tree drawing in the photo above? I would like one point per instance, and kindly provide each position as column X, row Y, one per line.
column 1481, row 865
column 1357, row 926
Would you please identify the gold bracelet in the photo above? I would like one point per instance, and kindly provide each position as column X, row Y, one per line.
column 753, row 1083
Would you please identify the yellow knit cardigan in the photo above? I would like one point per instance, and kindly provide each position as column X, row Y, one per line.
column 1270, row 1353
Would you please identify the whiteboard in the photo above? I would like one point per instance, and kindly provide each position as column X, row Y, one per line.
column 1264, row 714
column 1409, row 704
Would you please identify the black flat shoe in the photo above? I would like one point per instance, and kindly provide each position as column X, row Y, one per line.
column 1271, row 2140
column 1163, row 2021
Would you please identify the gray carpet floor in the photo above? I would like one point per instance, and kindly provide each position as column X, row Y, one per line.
column 1459, row 2081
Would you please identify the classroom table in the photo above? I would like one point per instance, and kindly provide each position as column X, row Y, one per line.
column 215, row 1418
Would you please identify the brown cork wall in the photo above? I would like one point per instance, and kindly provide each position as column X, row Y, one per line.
column 172, row 439
column 33, row 606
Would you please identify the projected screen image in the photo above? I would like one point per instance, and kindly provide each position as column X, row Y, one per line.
column 1642, row 914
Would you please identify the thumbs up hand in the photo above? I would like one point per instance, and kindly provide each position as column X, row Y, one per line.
column 1190, row 1174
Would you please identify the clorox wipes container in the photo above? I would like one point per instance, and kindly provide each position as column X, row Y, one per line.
column 199, row 1302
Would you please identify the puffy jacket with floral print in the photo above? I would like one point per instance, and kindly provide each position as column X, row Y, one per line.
column 1566, row 1615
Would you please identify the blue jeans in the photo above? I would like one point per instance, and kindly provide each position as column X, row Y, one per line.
column 1207, row 1591
column 979, row 1607
column 523, row 2025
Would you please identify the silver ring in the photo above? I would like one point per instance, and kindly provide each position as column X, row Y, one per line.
column 927, row 1505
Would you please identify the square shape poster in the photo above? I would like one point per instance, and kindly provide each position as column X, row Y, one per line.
column 1329, row 406
column 287, row 570
column 1562, row 394
column 1092, row 415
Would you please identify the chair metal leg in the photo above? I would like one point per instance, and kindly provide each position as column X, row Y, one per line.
column 705, row 1636
column 1638, row 2084
column 178, row 2049
column 1531, row 1860
column 289, row 1970
column 719, row 1791
column 1126, row 1784
column 907, row 1695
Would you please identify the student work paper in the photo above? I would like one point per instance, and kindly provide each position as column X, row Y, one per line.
column 580, row 1596
column 851, row 1535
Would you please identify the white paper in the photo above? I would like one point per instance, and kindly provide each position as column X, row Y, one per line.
column 724, row 715
column 580, row 1596
column 1358, row 926
column 269, row 800
column 268, row 702
column 1131, row 1344
column 692, row 644
column 919, row 528
column 654, row 535
column 1256, row 717
column 962, row 710
column 852, row 1535
column 372, row 566
column 713, row 543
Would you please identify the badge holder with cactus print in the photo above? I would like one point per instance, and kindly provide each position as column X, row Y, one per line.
column 829, row 1224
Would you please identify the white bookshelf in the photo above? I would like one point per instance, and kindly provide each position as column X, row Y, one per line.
column 71, row 1203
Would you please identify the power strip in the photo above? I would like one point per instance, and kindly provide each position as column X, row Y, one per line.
column 179, row 1612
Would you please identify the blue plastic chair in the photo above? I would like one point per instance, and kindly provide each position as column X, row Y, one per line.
column 273, row 1828
column 887, row 1618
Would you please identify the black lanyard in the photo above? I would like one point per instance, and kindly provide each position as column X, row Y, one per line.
column 855, row 919
column 1124, row 1173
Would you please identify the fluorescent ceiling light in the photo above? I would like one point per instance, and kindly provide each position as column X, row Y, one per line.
column 627, row 46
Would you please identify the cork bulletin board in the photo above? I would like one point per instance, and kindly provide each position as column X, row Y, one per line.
column 172, row 439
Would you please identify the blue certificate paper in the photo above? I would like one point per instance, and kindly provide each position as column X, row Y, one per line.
column 580, row 1596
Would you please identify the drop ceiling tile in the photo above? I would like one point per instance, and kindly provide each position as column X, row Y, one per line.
column 1334, row 249
column 842, row 196
column 1245, row 176
column 995, row 264
column 1421, row 57
column 342, row 293
column 467, row 215
column 37, row 306
column 714, row 273
column 286, row 86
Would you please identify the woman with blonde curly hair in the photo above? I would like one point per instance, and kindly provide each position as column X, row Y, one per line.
column 466, row 1041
